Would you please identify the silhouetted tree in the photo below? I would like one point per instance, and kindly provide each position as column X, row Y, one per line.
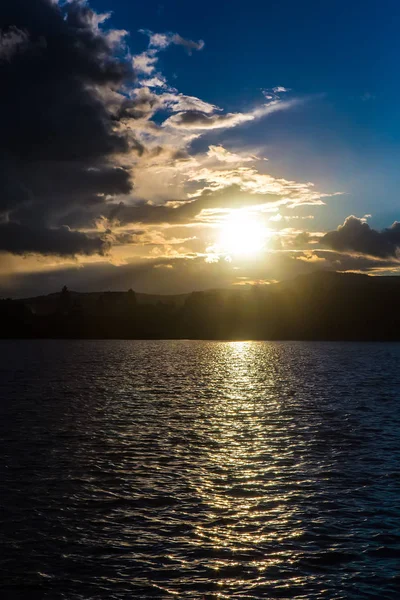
column 65, row 302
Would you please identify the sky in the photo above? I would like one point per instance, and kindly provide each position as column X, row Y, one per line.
column 168, row 147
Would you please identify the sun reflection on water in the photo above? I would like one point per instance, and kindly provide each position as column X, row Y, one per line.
column 246, row 510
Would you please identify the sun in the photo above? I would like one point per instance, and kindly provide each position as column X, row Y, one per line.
column 242, row 235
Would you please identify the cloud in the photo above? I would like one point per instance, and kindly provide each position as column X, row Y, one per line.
column 279, row 89
column 169, row 171
column 189, row 45
column 61, row 134
column 11, row 42
column 22, row 239
column 356, row 235
column 230, row 189
column 340, row 261
column 223, row 155
column 180, row 102
column 95, row 140
column 161, row 41
column 195, row 119
column 273, row 93
column 145, row 63
column 158, row 81
column 198, row 120
column 250, row 180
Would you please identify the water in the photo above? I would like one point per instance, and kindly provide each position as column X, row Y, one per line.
column 199, row 470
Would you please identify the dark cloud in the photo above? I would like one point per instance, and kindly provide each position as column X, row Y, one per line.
column 338, row 261
column 302, row 239
column 355, row 235
column 70, row 188
column 195, row 119
column 144, row 104
column 12, row 41
column 22, row 239
column 60, row 120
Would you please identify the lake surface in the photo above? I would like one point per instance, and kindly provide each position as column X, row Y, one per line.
column 161, row 469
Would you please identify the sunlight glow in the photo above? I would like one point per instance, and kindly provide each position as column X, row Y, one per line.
column 242, row 235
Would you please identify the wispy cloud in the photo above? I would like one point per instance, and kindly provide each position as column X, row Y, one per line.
column 145, row 63
column 197, row 120
column 161, row 41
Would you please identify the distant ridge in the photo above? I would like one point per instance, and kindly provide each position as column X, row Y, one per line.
column 46, row 304
column 320, row 306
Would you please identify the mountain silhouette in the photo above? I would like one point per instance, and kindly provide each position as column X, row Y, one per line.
column 320, row 306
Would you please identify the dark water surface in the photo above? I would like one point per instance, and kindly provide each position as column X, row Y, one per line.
column 199, row 470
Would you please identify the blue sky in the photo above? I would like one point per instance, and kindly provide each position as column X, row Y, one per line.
column 346, row 54
column 280, row 115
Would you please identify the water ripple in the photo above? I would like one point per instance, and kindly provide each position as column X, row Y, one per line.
column 199, row 470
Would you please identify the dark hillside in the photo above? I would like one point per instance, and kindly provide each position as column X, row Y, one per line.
column 321, row 306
